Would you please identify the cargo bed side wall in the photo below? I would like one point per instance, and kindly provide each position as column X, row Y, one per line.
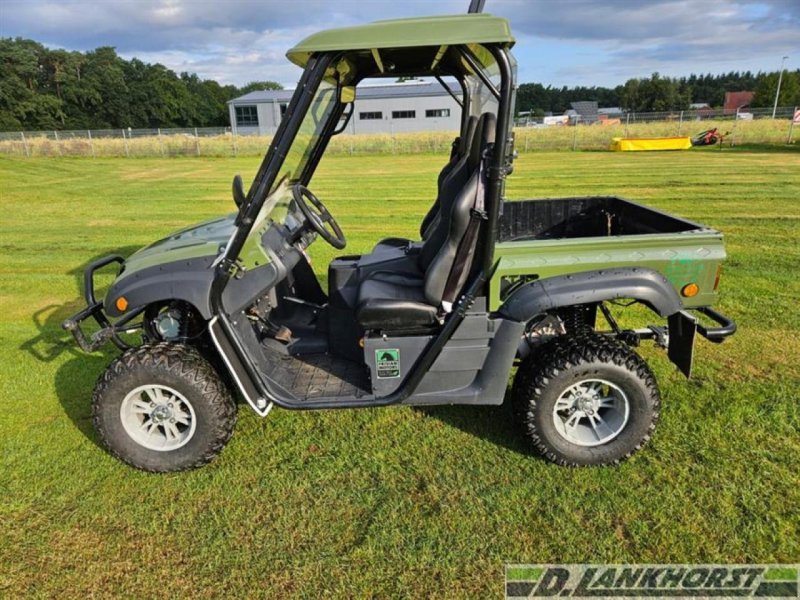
column 681, row 258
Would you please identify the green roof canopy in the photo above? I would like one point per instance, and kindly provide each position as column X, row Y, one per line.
column 476, row 28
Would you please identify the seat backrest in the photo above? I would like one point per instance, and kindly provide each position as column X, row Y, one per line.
column 463, row 144
column 438, row 270
column 451, row 187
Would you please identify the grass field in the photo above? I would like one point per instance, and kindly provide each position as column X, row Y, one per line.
column 392, row 502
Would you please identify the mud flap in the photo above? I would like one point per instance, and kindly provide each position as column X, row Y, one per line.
column 680, row 349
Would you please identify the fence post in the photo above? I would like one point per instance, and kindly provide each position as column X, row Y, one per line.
column 575, row 133
column 627, row 122
column 527, row 137
column 160, row 145
column 125, row 143
column 352, row 135
column 791, row 125
column 196, row 141
column 680, row 123
column 25, row 144
column 91, row 142
column 58, row 143
column 733, row 129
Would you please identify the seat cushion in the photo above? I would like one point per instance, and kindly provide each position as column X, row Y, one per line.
column 391, row 284
column 391, row 244
column 394, row 302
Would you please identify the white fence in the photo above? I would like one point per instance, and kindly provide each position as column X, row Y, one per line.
column 672, row 116
column 579, row 133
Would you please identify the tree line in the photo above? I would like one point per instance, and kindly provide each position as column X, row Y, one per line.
column 657, row 93
column 43, row 88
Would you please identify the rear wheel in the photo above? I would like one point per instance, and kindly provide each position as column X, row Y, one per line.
column 586, row 400
column 162, row 407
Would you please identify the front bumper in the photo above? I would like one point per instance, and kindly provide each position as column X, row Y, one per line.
column 94, row 309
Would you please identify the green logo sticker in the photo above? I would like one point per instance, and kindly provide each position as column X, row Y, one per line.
column 709, row 582
column 387, row 363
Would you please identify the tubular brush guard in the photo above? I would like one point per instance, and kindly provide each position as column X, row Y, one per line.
column 108, row 331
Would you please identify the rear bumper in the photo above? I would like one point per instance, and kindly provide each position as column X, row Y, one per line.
column 94, row 309
column 727, row 326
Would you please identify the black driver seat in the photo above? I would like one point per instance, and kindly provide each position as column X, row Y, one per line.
column 448, row 176
column 392, row 301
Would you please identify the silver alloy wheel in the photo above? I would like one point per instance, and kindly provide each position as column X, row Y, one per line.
column 591, row 412
column 158, row 417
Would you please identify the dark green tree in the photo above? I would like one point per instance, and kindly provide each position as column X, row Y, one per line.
column 24, row 102
column 768, row 84
column 655, row 94
column 254, row 86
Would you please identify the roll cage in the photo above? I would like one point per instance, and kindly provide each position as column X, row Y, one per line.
column 460, row 62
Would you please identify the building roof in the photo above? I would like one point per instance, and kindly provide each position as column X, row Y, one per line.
column 474, row 28
column 414, row 89
column 263, row 96
column 737, row 100
column 585, row 107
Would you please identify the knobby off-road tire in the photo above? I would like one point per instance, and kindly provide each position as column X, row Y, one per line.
column 175, row 386
column 554, row 371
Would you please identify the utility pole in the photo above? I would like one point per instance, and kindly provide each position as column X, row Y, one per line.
column 778, row 91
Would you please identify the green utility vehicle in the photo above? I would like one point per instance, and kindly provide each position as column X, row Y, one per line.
column 232, row 307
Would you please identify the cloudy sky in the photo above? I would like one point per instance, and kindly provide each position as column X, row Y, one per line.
column 559, row 42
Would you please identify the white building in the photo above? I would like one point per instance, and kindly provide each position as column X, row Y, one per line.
column 384, row 108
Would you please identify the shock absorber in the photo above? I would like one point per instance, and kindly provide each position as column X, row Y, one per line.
column 579, row 318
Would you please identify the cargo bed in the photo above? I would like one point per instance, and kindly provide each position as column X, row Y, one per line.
column 558, row 236
column 586, row 216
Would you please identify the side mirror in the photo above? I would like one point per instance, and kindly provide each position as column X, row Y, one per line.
column 347, row 94
column 239, row 197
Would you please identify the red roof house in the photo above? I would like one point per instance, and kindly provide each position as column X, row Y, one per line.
column 736, row 101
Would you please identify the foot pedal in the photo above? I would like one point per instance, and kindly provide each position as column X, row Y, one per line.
column 283, row 335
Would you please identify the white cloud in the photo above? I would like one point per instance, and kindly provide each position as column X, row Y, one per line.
column 563, row 42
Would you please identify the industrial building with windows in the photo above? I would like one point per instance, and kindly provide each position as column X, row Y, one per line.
column 379, row 108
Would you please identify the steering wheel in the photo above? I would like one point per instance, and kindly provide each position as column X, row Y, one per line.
column 319, row 216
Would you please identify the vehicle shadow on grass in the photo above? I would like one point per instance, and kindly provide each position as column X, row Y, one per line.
column 495, row 424
column 74, row 383
column 51, row 340
column 75, row 378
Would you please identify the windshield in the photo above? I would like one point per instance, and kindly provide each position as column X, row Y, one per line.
column 310, row 131
column 279, row 202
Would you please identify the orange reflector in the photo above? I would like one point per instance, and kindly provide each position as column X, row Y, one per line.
column 716, row 279
column 121, row 303
column 690, row 290
column 361, row 342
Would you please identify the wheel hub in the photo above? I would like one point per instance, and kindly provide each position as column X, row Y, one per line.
column 161, row 413
column 586, row 405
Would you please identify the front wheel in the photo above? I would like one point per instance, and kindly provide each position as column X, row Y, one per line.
column 586, row 400
column 162, row 407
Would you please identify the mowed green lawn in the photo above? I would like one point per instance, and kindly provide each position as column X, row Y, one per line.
column 395, row 502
